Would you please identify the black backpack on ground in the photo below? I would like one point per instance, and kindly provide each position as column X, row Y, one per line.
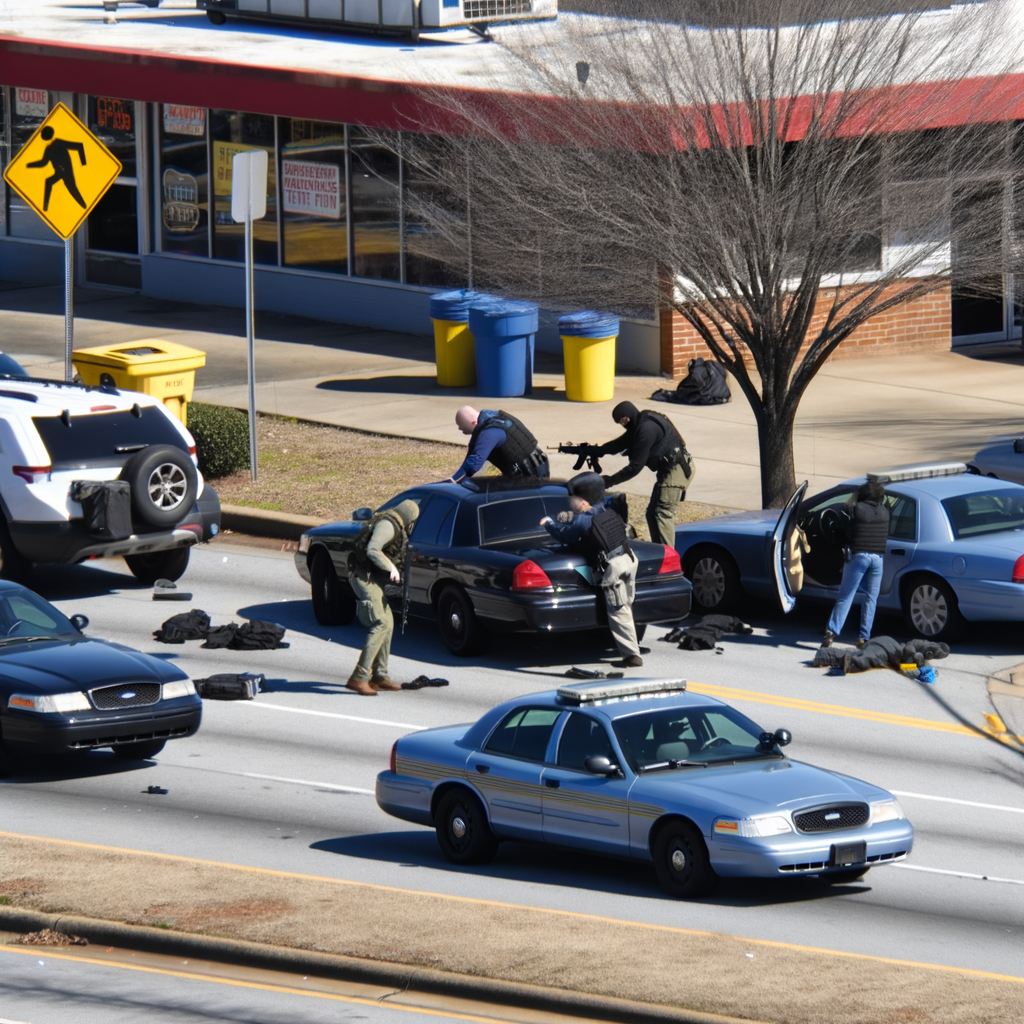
column 704, row 384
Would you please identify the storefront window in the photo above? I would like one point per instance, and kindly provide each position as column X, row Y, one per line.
column 430, row 258
column 5, row 158
column 313, row 195
column 28, row 108
column 183, row 216
column 375, row 217
column 113, row 224
column 232, row 132
column 112, row 121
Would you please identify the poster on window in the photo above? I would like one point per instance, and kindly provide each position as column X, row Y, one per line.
column 311, row 188
column 31, row 102
column 181, row 120
column 223, row 161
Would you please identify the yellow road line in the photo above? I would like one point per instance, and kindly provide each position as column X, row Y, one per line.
column 643, row 925
column 757, row 697
column 38, row 951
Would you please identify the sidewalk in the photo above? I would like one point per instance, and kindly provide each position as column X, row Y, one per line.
column 858, row 414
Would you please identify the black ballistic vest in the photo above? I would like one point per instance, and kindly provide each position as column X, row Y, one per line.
column 519, row 442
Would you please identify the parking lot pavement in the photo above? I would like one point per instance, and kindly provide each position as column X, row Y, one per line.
column 286, row 781
column 858, row 414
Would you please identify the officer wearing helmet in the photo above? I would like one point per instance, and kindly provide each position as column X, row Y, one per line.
column 379, row 550
column 600, row 534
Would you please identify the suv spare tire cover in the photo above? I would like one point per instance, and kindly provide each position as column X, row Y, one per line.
column 163, row 481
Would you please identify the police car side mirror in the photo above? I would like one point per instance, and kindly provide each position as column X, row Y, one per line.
column 79, row 622
column 779, row 738
column 362, row 515
column 600, row 766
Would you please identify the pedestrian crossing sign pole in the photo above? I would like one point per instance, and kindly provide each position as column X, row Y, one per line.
column 62, row 172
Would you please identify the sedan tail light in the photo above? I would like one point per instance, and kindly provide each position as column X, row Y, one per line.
column 1018, row 570
column 529, row 575
column 32, row 474
column 670, row 563
column 393, row 763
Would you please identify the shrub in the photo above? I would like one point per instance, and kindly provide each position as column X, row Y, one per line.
column 222, row 438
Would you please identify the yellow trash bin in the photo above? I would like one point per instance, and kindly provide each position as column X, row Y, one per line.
column 163, row 369
column 588, row 354
column 454, row 350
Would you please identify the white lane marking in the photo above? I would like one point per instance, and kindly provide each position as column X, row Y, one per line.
column 950, row 800
column 301, row 782
column 331, row 714
column 959, row 874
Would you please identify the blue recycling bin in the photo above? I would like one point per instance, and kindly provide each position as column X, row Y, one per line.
column 504, row 333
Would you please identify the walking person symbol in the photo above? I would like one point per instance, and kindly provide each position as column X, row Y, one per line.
column 58, row 153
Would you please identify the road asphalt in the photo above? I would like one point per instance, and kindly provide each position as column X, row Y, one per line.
column 859, row 414
column 286, row 780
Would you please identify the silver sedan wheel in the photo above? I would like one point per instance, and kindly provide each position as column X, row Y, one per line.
column 167, row 486
column 929, row 610
column 708, row 582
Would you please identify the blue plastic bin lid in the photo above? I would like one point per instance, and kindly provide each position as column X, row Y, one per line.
column 588, row 324
column 454, row 305
column 496, row 317
column 493, row 305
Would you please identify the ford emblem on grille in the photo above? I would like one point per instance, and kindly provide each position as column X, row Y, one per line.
column 834, row 816
column 127, row 695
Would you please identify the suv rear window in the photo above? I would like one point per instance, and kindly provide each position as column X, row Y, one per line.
column 107, row 438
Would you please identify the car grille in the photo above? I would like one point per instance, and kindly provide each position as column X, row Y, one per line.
column 495, row 8
column 828, row 819
column 107, row 698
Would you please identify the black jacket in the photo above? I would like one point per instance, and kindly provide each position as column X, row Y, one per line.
column 870, row 528
column 647, row 442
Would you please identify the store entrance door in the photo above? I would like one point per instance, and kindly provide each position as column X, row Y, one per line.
column 112, row 230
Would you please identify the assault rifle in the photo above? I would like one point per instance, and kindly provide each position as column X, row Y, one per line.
column 588, row 453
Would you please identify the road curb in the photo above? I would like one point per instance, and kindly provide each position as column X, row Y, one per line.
column 402, row 977
column 258, row 522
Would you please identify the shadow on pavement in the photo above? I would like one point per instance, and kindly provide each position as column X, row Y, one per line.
column 545, row 865
column 66, row 582
column 89, row 765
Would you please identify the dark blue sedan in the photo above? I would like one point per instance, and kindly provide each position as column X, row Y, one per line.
column 955, row 550
column 62, row 692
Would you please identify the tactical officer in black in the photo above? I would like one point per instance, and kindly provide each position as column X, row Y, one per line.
column 651, row 440
column 500, row 438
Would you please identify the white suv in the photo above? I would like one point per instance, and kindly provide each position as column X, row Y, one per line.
column 60, row 439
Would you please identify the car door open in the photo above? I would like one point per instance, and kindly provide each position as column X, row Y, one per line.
column 779, row 561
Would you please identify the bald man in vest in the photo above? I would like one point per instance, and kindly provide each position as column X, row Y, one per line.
column 497, row 437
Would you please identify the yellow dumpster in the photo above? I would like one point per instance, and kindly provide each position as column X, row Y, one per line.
column 454, row 350
column 588, row 354
column 162, row 369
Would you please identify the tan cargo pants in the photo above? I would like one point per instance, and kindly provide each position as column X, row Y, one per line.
column 373, row 612
column 618, row 584
column 668, row 492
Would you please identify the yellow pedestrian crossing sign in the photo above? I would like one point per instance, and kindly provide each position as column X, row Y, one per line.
column 63, row 171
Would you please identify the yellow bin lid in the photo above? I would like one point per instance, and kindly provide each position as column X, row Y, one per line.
column 147, row 358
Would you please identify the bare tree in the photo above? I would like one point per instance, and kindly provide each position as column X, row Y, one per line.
column 779, row 173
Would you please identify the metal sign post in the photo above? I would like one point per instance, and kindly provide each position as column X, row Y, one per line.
column 62, row 172
column 249, row 203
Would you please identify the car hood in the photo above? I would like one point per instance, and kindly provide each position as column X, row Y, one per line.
column 766, row 517
column 56, row 666
column 744, row 790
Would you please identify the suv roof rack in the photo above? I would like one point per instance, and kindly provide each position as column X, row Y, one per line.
column 632, row 689
column 920, row 471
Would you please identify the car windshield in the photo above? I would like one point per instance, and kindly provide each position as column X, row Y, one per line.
column 519, row 518
column 23, row 614
column 671, row 737
column 985, row 512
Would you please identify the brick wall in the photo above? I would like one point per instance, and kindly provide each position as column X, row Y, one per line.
column 920, row 325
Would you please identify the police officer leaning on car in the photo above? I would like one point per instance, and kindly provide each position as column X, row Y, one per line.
column 600, row 534
column 651, row 440
column 503, row 440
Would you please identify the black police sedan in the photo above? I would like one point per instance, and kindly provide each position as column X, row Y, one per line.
column 479, row 561
column 62, row 692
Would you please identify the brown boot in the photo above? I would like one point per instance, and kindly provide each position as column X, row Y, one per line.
column 361, row 686
column 384, row 684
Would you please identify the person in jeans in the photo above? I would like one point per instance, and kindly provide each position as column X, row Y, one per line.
column 869, row 531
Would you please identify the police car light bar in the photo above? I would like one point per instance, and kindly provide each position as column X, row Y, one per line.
column 923, row 471
column 633, row 689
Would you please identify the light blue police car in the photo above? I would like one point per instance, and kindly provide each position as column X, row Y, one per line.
column 641, row 769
